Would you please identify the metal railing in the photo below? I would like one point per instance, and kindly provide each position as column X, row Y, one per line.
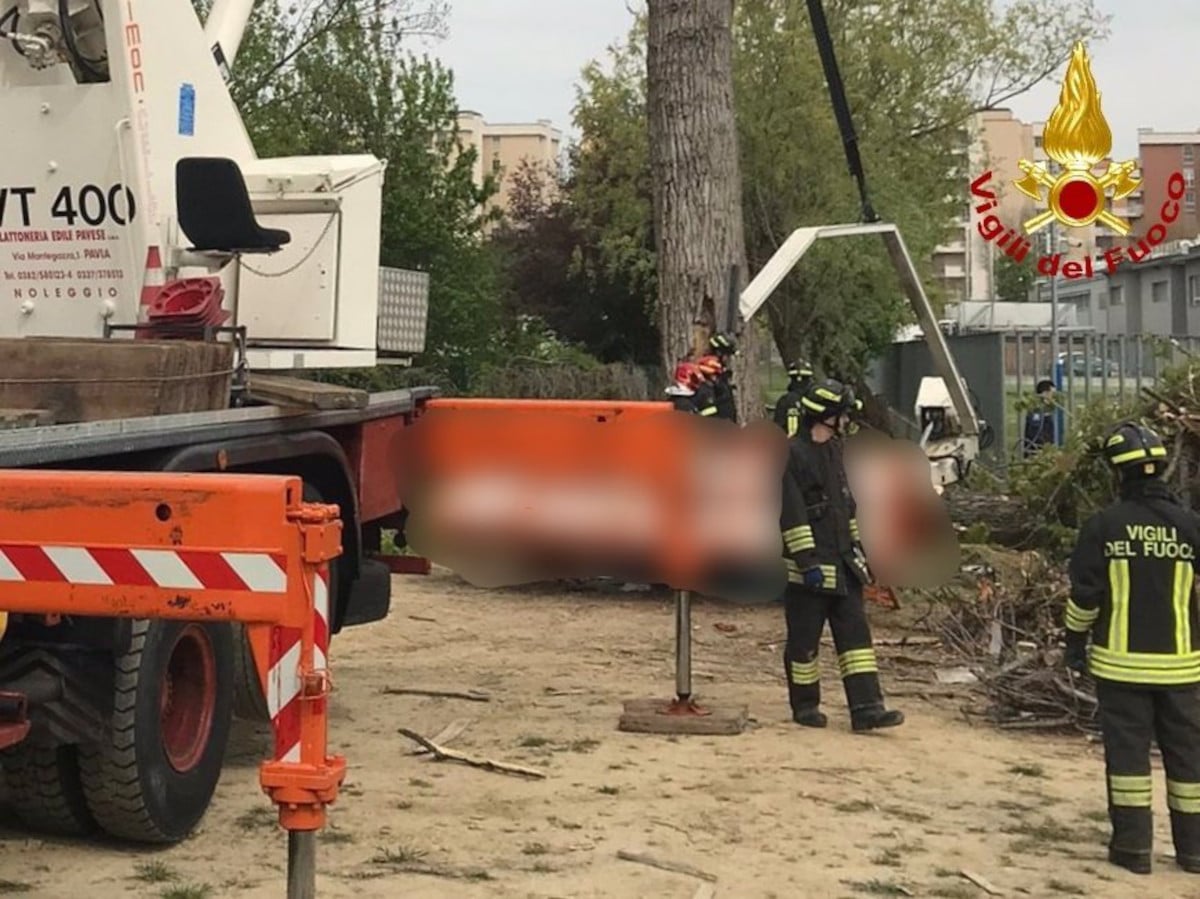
column 1092, row 366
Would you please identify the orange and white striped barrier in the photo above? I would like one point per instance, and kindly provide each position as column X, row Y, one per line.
column 196, row 547
column 285, row 689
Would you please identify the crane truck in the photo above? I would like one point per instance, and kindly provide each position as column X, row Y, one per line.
column 135, row 211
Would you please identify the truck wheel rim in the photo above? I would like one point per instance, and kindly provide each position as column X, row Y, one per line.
column 189, row 693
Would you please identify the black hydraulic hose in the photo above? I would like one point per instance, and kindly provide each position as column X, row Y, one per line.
column 841, row 108
column 90, row 74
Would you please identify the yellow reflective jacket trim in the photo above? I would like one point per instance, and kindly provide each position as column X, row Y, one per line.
column 793, row 421
column 1132, row 455
column 829, row 574
column 799, row 538
column 1118, row 623
column 1078, row 618
column 854, row 535
column 1183, row 607
column 708, row 410
column 1155, row 669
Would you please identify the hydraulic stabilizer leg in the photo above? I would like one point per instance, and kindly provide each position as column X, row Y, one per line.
column 683, row 646
column 684, row 704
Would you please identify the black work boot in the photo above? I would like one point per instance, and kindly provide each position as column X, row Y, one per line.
column 813, row 717
column 874, row 718
column 1189, row 863
column 1136, row 862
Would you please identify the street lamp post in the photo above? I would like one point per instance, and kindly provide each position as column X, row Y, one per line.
column 1052, row 237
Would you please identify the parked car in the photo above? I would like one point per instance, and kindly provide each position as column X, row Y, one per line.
column 1082, row 365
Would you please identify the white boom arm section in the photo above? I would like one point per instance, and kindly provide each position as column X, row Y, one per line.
column 953, row 451
column 100, row 100
column 224, row 29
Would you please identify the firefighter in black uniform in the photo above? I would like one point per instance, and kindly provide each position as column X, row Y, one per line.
column 691, row 392
column 1131, row 588
column 826, row 567
column 724, row 347
column 787, row 409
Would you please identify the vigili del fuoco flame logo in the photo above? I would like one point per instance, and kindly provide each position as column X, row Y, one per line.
column 1076, row 137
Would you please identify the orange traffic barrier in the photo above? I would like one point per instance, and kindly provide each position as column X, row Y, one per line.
column 197, row 547
column 519, row 490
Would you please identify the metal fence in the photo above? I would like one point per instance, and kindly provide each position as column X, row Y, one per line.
column 1003, row 369
column 1091, row 365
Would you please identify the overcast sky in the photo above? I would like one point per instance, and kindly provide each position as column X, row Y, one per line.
column 519, row 60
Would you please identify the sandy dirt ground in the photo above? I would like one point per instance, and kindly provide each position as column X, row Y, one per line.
column 774, row 812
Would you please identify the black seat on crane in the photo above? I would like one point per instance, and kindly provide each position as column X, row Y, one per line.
column 214, row 209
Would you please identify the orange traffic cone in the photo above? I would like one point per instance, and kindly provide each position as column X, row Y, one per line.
column 152, row 282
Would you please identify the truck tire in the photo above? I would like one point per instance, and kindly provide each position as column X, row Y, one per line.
column 44, row 789
column 249, row 703
column 153, row 778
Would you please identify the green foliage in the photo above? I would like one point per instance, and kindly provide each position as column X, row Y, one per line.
column 914, row 74
column 1014, row 280
column 542, row 246
column 566, row 381
column 578, row 250
column 610, row 188
column 337, row 79
column 1064, row 486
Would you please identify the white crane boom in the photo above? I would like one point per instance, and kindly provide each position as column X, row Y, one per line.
column 952, row 442
column 224, row 28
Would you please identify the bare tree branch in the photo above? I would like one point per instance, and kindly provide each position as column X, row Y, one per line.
column 319, row 18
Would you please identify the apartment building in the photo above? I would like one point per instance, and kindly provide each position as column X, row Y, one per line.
column 1163, row 153
column 500, row 148
column 994, row 141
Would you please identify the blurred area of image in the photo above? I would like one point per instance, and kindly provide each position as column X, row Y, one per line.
column 906, row 529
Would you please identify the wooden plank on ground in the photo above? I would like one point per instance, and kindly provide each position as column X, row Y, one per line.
column 650, row 716
column 282, row 390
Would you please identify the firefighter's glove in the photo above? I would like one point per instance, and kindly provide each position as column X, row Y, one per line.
column 1076, row 655
column 813, row 578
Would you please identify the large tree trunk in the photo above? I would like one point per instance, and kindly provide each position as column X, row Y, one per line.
column 699, row 232
column 1008, row 520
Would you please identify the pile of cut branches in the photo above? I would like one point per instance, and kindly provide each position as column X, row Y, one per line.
column 1046, row 498
column 1003, row 620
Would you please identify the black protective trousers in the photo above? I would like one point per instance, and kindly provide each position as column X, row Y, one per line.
column 806, row 612
column 1130, row 717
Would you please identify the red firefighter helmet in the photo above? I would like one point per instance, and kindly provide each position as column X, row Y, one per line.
column 688, row 374
column 710, row 366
